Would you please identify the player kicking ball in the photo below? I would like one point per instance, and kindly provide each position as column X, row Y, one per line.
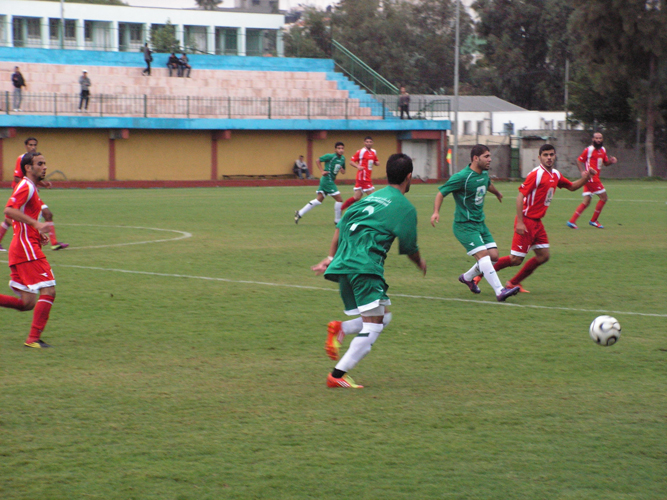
column 469, row 187
column 358, row 250
column 31, row 277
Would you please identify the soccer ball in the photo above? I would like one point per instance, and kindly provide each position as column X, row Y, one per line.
column 605, row 330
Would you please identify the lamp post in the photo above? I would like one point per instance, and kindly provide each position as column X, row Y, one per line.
column 456, row 91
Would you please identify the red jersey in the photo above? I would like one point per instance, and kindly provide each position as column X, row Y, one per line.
column 595, row 158
column 17, row 171
column 26, row 244
column 362, row 158
column 538, row 190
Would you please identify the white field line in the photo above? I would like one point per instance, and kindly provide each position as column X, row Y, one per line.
column 420, row 297
column 183, row 235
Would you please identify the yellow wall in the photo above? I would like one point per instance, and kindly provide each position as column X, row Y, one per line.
column 174, row 155
column 260, row 152
column 82, row 155
column 383, row 142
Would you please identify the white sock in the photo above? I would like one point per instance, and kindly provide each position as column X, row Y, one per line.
column 386, row 320
column 360, row 346
column 309, row 206
column 337, row 211
column 486, row 266
column 472, row 272
column 352, row 326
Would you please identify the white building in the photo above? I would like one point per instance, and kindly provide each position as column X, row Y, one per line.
column 37, row 24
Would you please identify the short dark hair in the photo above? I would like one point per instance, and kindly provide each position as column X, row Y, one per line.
column 338, row 144
column 546, row 147
column 399, row 165
column 478, row 150
column 368, row 137
column 30, row 139
column 27, row 160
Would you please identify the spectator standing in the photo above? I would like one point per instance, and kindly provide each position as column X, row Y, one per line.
column 18, row 81
column 173, row 64
column 300, row 169
column 404, row 103
column 85, row 83
column 183, row 65
column 148, row 58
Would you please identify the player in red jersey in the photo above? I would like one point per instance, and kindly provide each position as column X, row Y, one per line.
column 31, row 147
column 594, row 156
column 31, row 277
column 535, row 195
column 363, row 160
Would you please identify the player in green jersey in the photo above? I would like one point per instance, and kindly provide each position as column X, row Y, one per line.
column 333, row 163
column 356, row 262
column 468, row 187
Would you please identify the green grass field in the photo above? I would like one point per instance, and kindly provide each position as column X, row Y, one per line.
column 194, row 368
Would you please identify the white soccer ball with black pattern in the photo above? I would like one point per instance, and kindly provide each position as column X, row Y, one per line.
column 605, row 330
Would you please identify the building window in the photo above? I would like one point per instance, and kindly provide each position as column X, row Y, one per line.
column 467, row 128
column 480, row 127
column 33, row 28
column 70, row 29
column 88, row 30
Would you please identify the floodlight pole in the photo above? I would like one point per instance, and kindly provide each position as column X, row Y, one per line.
column 456, row 91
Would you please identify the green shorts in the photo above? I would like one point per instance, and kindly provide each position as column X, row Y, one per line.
column 474, row 236
column 327, row 187
column 362, row 292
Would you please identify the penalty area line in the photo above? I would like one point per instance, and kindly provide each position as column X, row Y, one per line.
column 402, row 295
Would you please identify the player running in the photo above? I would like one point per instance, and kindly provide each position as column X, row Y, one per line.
column 363, row 160
column 30, row 273
column 469, row 187
column 532, row 202
column 333, row 163
column 356, row 262
column 594, row 156
column 30, row 147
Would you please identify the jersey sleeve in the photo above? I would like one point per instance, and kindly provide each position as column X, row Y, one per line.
column 453, row 184
column 583, row 157
column 406, row 231
column 355, row 157
column 326, row 158
column 18, row 197
column 529, row 184
column 564, row 182
column 605, row 157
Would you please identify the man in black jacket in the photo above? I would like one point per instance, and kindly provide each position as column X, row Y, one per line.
column 18, row 81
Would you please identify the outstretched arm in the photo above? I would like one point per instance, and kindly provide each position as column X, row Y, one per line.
column 435, row 218
column 585, row 176
column 322, row 266
column 499, row 195
column 421, row 263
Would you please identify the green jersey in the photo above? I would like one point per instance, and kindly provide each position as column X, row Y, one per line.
column 468, row 188
column 332, row 164
column 367, row 231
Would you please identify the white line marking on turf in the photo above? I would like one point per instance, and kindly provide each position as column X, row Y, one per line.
column 183, row 235
column 307, row 287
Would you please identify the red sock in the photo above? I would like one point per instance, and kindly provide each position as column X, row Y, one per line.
column 580, row 210
column 502, row 263
column 525, row 271
column 11, row 302
column 3, row 229
column 347, row 203
column 52, row 235
column 40, row 317
column 598, row 209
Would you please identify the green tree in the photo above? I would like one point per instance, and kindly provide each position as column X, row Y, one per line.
column 622, row 52
column 208, row 4
column 163, row 39
column 312, row 37
column 525, row 47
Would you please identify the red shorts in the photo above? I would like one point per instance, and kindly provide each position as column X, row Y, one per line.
column 364, row 185
column 535, row 236
column 31, row 276
column 591, row 188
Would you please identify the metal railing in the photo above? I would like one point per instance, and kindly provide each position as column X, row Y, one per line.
column 420, row 108
column 359, row 71
column 154, row 106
